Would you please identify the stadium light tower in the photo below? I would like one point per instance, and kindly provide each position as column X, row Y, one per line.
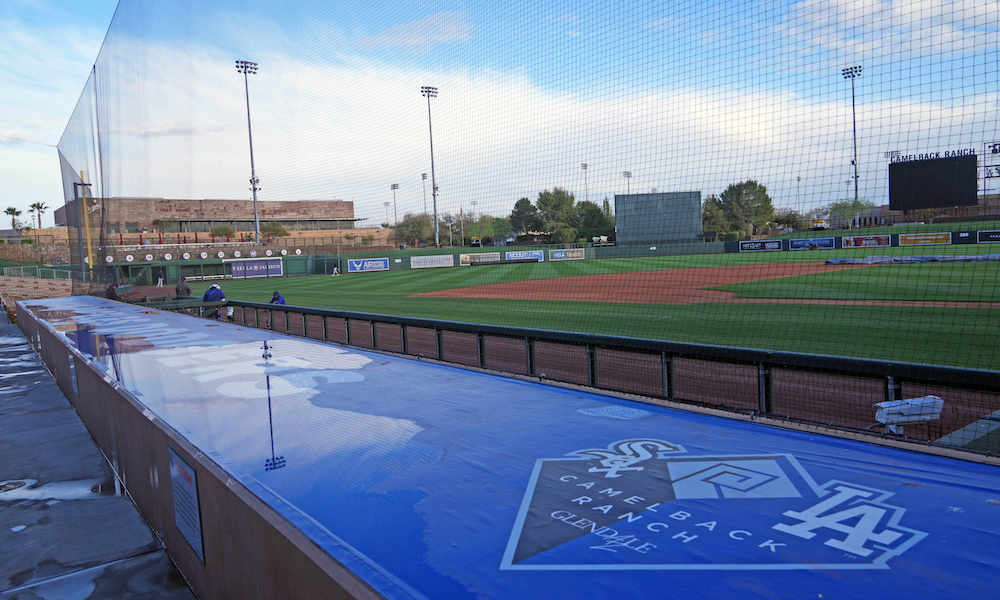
column 628, row 179
column 386, row 205
column 853, row 73
column 432, row 92
column 247, row 67
column 586, row 188
column 395, row 211
column 423, row 182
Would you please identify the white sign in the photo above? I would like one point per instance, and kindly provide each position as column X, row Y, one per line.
column 187, row 514
column 432, row 261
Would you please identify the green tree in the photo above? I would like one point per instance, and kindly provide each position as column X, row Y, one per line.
column 565, row 235
column 846, row 210
column 222, row 230
column 747, row 206
column 556, row 209
column 39, row 209
column 415, row 228
column 713, row 217
column 501, row 227
column 591, row 220
column 273, row 228
column 791, row 218
column 525, row 217
column 14, row 214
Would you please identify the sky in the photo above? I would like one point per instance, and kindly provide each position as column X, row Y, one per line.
column 684, row 95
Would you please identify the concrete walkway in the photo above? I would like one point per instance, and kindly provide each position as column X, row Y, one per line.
column 64, row 532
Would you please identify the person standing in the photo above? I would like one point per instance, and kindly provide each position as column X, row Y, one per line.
column 159, row 280
column 183, row 289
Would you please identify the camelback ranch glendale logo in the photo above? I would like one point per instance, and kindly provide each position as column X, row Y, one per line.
column 644, row 504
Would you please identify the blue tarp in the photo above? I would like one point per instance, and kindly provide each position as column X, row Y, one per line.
column 431, row 481
column 894, row 260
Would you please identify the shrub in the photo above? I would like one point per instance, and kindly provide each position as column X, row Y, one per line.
column 222, row 230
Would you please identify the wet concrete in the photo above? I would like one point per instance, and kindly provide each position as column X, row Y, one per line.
column 64, row 533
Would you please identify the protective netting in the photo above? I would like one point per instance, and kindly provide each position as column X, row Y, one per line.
column 740, row 145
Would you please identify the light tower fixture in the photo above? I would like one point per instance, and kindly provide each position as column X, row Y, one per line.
column 853, row 73
column 431, row 92
column 628, row 178
column 395, row 211
column 423, row 182
column 586, row 189
column 247, row 67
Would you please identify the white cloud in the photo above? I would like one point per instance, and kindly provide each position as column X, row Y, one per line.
column 348, row 130
column 439, row 28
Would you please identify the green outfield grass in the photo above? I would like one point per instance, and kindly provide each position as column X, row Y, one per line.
column 964, row 282
column 954, row 336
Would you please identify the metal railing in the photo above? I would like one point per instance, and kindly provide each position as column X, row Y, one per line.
column 834, row 391
column 37, row 273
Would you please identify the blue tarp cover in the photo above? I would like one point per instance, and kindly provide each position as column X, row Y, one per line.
column 430, row 481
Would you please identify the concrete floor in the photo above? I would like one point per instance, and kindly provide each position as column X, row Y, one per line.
column 64, row 532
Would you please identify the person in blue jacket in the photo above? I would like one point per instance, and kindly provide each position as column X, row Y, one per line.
column 277, row 298
column 214, row 294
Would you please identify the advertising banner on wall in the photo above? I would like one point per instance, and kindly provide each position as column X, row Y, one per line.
column 866, row 241
column 366, row 265
column 925, row 239
column 479, row 258
column 825, row 243
column 432, row 261
column 568, row 254
column 538, row 255
column 246, row 268
column 760, row 246
column 988, row 237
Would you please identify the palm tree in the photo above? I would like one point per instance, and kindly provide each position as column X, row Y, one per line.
column 39, row 208
column 14, row 213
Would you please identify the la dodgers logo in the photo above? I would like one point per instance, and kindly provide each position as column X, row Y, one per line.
column 645, row 504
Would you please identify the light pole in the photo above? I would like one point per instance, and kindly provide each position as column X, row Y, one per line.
column 423, row 182
column 386, row 205
column 798, row 188
column 473, row 218
column 628, row 177
column 249, row 68
column 586, row 190
column 853, row 73
column 395, row 212
column 432, row 92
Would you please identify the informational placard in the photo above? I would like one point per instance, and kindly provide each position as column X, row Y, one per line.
column 988, row 237
column 433, row 261
column 760, row 245
column 824, row 243
column 367, row 265
column 925, row 239
column 187, row 513
column 246, row 268
column 568, row 254
column 866, row 241
column 538, row 255
column 479, row 258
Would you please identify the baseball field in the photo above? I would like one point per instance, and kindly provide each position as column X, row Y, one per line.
column 937, row 313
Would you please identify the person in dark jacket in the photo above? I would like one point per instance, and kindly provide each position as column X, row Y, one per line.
column 277, row 298
column 183, row 289
column 214, row 294
column 111, row 293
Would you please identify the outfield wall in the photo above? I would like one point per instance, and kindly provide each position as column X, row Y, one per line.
column 879, row 240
